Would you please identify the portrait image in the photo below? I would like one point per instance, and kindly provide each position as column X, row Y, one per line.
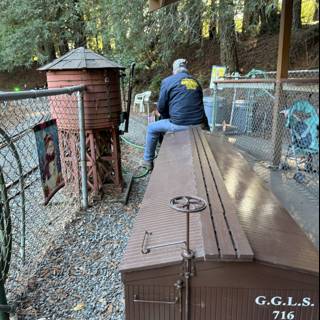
column 46, row 135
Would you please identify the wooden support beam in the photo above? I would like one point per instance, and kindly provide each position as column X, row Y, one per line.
column 282, row 73
column 284, row 39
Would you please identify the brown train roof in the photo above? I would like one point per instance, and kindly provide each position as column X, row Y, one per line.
column 242, row 211
column 274, row 236
column 183, row 168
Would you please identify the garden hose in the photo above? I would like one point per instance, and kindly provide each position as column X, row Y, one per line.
column 140, row 175
column 130, row 143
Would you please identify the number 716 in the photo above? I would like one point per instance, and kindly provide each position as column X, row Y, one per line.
column 283, row 315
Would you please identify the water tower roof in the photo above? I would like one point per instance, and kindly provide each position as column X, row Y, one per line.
column 80, row 58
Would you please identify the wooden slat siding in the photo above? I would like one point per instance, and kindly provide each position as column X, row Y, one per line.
column 102, row 87
column 240, row 239
column 177, row 172
column 103, row 104
column 275, row 237
column 226, row 247
column 210, row 243
column 99, row 121
column 89, row 113
column 68, row 82
column 76, row 75
column 98, row 91
column 168, row 180
column 102, row 111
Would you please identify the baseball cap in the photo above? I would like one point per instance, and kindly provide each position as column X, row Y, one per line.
column 180, row 65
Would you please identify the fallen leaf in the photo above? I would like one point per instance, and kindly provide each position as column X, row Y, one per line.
column 79, row 307
column 109, row 309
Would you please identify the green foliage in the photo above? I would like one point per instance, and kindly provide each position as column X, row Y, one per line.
column 155, row 84
column 40, row 30
column 308, row 10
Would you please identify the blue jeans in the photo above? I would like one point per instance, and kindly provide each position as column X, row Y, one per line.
column 153, row 132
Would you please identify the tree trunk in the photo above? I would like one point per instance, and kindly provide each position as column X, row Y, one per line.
column 250, row 16
column 228, row 43
column 316, row 13
column 296, row 23
column 270, row 20
column 79, row 27
column 80, row 35
column 50, row 51
column 193, row 12
column 63, row 46
column 213, row 21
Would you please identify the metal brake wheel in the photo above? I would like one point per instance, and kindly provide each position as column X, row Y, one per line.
column 188, row 204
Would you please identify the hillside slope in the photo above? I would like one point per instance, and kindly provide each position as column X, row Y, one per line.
column 258, row 53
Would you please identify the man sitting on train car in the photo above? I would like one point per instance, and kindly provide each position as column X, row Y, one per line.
column 180, row 106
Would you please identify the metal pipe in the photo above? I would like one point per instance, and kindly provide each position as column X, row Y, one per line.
column 137, row 300
column 147, row 249
column 187, row 301
column 274, row 81
column 126, row 129
column 214, row 107
column 40, row 93
column 83, row 160
column 187, row 258
column 188, row 232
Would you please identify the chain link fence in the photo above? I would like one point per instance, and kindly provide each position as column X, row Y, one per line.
column 276, row 123
column 27, row 226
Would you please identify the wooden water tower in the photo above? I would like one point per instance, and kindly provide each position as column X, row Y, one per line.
column 102, row 108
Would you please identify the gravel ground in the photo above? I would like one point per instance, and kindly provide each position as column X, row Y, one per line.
column 78, row 277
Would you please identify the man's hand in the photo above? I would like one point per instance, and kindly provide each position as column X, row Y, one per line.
column 157, row 113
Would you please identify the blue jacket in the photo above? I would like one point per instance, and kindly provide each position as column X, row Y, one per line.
column 181, row 100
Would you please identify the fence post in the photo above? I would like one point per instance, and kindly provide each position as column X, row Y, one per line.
column 278, row 129
column 282, row 73
column 83, row 160
column 214, row 107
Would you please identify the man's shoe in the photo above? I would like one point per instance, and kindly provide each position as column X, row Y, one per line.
column 148, row 165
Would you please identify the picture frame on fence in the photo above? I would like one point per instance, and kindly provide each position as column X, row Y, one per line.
column 47, row 143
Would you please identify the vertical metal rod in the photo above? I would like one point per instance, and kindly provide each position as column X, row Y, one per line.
column 83, row 160
column 214, row 107
column 187, row 302
column 188, row 267
column 233, row 105
column 126, row 129
column 188, row 232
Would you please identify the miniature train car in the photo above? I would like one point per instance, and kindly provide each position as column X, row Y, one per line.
column 247, row 258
